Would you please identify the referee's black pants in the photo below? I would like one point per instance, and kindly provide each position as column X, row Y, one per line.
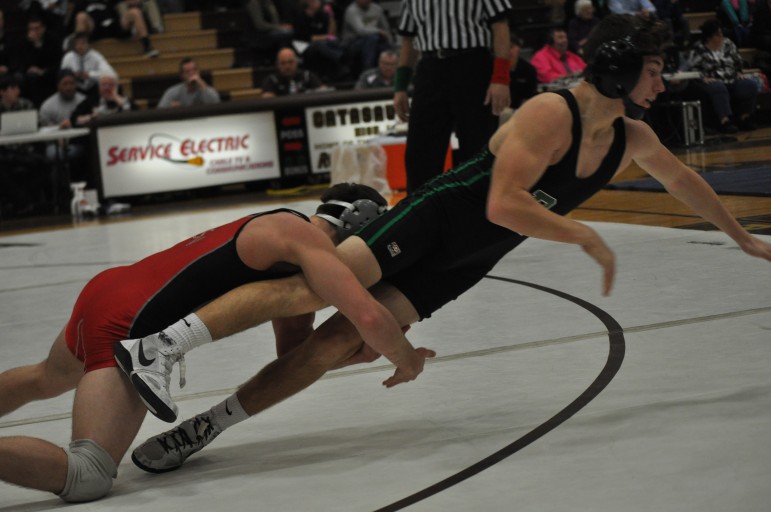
column 448, row 95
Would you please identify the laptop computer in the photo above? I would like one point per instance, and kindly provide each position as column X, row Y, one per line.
column 18, row 122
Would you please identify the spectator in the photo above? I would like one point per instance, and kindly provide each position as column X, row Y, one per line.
column 523, row 83
column 110, row 101
column 554, row 61
column 642, row 8
column 38, row 60
column 192, row 90
column 87, row 64
column 382, row 75
column 720, row 64
column 100, row 19
column 316, row 26
column 57, row 109
column 269, row 27
column 52, row 12
column 580, row 26
column 461, row 80
column 151, row 12
column 10, row 96
column 736, row 18
column 289, row 79
column 366, row 33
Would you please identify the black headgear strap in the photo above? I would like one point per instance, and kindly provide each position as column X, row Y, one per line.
column 348, row 218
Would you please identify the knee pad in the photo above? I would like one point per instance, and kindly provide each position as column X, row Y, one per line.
column 90, row 471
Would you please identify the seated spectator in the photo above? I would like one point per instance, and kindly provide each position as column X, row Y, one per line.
column 52, row 12
column 736, row 19
column 87, row 64
column 671, row 12
column 110, row 101
column 523, row 83
column 10, row 96
column 580, row 26
column 270, row 30
column 289, row 79
column 57, row 109
column 192, row 90
column 554, row 61
column 761, row 27
column 382, row 75
column 316, row 26
column 642, row 8
column 720, row 64
column 366, row 33
column 100, row 19
column 38, row 60
column 151, row 12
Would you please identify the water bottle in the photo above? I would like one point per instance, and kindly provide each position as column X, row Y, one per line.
column 79, row 201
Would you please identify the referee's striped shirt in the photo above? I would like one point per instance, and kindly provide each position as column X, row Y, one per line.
column 451, row 24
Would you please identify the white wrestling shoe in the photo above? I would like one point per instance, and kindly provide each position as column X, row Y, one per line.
column 168, row 451
column 148, row 362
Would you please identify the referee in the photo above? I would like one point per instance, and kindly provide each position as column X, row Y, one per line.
column 461, row 81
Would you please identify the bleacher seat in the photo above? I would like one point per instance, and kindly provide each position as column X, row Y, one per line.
column 211, row 39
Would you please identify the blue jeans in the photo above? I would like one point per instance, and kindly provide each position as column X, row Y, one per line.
column 742, row 94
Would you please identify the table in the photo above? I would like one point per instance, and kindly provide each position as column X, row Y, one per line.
column 48, row 135
column 44, row 135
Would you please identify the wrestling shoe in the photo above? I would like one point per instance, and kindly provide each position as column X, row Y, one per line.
column 168, row 451
column 148, row 362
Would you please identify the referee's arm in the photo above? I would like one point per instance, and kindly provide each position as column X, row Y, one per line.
column 408, row 59
column 498, row 93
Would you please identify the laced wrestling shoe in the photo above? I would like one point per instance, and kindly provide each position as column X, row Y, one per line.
column 148, row 362
column 168, row 451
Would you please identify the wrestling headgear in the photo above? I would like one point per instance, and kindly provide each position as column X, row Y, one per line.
column 615, row 71
column 349, row 217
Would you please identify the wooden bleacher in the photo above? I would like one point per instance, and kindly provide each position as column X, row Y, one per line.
column 188, row 34
column 696, row 19
column 179, row 41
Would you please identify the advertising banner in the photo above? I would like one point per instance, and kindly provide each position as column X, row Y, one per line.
column 194, row 153
column 331, row 126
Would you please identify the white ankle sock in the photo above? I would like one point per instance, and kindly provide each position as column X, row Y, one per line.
column 190, row 332
column 229, row 412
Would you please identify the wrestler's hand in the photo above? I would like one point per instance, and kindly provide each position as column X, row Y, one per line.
column 365, row 354
column 601, row 253
column 406, row 373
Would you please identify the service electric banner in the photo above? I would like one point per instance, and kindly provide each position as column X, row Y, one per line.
column 331, row 126
column 194, row 153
